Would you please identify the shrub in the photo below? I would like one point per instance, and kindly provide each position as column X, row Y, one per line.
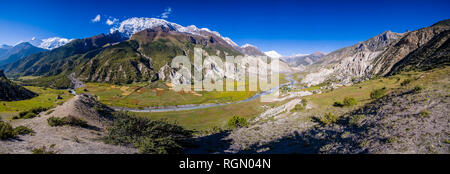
column 23, row 130
column 349, row 101
column 356, row 120
column 69, row 120
column 149, row 136
column 73, row 121
column 417, row 89
column 328, row 118
column 237, row 122
column 54, row 121
column 6, row 131
column 392, row 139
column 42, row 150
column 298, row 107
column 406, row 82
column 304, row 102
column 424, row 113
column 30, row 113
column 338, row 104
column 38, row 110
column 378, row 93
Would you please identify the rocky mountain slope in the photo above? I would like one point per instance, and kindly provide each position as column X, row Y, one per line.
column 10, row 91
column 148, row 53
column 133, row 52
column 62, row 59
column 380, row 54
column 428, row 41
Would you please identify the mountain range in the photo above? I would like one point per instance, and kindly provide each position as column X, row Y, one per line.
column 140, row 49
column 9, row 54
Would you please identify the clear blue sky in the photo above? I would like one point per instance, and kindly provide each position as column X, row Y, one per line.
column 288, row 27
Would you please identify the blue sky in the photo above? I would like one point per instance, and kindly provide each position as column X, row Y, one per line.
column 289, row 27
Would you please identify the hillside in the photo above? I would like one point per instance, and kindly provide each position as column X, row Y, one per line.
column 9, row 91
column 12, row 54
column 426, row 47
column 102, row 59
column 66, row 139
column 62, row 59
column 435, row 53
column 420, row 40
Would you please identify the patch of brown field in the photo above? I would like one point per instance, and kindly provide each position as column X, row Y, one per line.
column 134, row 101
column 159, row 92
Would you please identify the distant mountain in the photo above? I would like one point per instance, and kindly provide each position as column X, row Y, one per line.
column 3, row 50
column 305, row 60
column 19, row 51
column 62, row 59
column 140, row 49
column 273, row 54
column 51, row 43
column 4, row 46
column 10, row 91
column 385, row 54
column 250, row 50
column 133, row 25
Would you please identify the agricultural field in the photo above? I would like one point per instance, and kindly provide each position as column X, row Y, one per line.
column 160, row 94
column 215, row 117
column 143, row 95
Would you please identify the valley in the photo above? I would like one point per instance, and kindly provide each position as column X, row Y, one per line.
column 115, row 93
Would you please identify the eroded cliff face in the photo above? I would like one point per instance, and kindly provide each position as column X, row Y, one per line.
column 382, row 54
column 352, row 62
column 405, row 46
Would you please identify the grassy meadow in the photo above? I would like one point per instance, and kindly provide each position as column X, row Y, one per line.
column 47, row 98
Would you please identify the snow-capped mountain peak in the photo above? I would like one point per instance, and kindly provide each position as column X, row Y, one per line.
column 52, row 43
column 248, row 45
column 133, row 25
column 273, row 54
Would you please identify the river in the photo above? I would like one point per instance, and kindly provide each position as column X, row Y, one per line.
column 203, row 106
